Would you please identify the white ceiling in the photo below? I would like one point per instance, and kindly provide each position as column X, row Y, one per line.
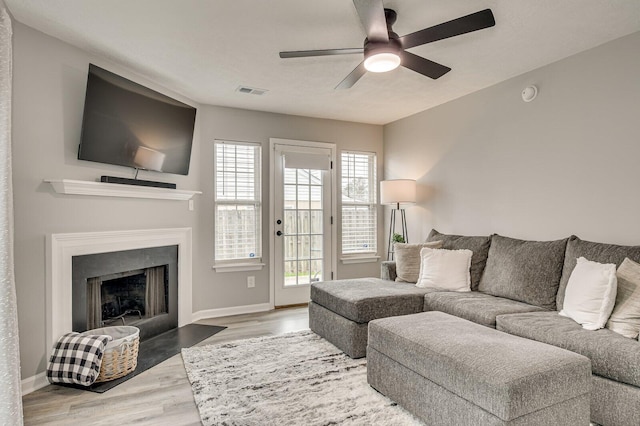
column 206, row 49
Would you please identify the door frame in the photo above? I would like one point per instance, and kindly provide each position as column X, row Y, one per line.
column 334, row 207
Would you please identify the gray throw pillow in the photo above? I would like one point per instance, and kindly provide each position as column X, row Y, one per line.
column 478, row 245
column 625, row 318
column 408, row 260
column 526, row 271
column 595, row 252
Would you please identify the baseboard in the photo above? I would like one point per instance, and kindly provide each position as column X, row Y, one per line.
column 234, row 310
column 295, row 305
column 33, row 383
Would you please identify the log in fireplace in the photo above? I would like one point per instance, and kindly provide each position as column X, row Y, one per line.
column 132, row 287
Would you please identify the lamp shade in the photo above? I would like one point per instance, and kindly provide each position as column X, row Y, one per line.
column 398, row 191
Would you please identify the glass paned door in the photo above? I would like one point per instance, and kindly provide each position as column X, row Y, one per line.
column 303, row 238
column 303, row 216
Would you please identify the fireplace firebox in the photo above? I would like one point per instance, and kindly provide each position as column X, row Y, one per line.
column 132, row 287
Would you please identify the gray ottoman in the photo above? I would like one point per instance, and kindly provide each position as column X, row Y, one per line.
column 340, row 310
column 450, row 371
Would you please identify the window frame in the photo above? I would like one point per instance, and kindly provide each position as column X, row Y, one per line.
column 239, row 263
column 369, row 255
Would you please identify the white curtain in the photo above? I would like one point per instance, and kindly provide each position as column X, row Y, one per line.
column 10, row 394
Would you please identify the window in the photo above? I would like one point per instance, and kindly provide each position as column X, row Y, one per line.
column 359, row 206
column 238, row 208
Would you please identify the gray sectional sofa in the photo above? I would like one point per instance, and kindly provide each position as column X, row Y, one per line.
column 518, row 288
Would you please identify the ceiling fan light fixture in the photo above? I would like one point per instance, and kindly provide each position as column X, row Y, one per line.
column 384, row 50
column 382, row 62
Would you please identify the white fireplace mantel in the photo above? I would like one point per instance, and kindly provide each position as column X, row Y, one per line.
column 84, row 187
column 62, row 247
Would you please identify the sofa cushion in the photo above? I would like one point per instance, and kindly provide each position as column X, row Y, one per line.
column 527, row 271
column 612, row 355
column 364, row 299
column 625, row 318
column 408, row 260
column 596, row 252
column 474, row 306
column 478, row 245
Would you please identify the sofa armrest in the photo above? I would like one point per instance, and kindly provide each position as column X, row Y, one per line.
column 388, row 270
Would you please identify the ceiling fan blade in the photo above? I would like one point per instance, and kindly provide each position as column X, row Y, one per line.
column 423, row 66
column 371, row 13
column 466, row 24
column 326, row 52
column 353, row 77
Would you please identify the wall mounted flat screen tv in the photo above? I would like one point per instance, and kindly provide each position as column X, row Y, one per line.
column 130, row 125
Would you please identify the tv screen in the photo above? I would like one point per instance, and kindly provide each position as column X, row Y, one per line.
column 130, row 125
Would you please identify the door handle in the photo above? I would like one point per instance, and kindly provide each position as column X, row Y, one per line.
column 279, row 233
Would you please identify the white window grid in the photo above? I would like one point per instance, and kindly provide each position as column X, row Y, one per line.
column 359, row 203
column 238, row 204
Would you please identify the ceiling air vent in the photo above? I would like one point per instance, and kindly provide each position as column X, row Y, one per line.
column 251, row 90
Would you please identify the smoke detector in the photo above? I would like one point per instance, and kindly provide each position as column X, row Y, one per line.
column 529, row 93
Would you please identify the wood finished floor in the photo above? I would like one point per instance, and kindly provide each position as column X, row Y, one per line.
column 159, row 396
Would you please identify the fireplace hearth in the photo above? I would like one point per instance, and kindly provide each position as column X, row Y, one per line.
column 131, row 287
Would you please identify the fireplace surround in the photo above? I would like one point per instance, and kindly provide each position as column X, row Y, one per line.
column 62, row 248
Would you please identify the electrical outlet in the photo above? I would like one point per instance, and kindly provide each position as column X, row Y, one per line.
column 251, row 281
column 190, row 205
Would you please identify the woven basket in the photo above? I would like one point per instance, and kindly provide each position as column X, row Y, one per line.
column 120, row 356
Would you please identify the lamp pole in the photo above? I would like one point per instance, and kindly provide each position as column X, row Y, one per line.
column 392, row 228
column 395, row 192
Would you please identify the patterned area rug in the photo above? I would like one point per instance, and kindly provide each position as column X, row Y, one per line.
column 291, row 379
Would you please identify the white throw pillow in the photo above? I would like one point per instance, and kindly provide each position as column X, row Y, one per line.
column 445, row 269
column 625, row 318
column 590, row 294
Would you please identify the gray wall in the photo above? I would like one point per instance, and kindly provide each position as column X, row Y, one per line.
column 49, row 79
column 216, row 289
column 48, row 98
column 566, row 163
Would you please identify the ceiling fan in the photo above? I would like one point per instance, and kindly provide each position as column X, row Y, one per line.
column 384, row 50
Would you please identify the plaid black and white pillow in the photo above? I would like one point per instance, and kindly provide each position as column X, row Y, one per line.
column 76, row 359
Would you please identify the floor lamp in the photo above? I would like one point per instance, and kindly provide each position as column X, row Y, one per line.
column 396, row 192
